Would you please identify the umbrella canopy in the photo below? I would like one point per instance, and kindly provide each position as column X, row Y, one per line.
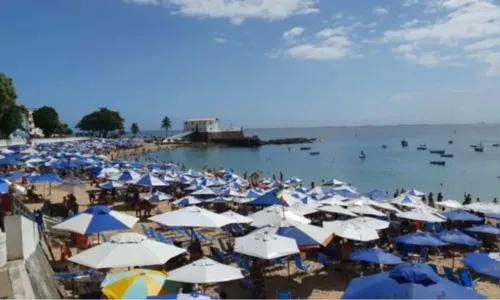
column 42, row 179
column 335, row 209
column 457, row 237
column 483, row 207
column 267, row 200
column 192, row 216
column 127, row 250
column 370, row 223
column 266, row 245
column 493, row 216
column 135, row 284
column 188, row 200
column 483, row 263
column 237, row 217
column 5, row 184
column 351, row 231
column 407, row 200
column 148, row 180
column 420, row 239
column 95, row 219
column 487, row 228
column 377, row 195
column 110, row 185
column 366, row 210
column 158, row 196
column 205, row 270
column 191, row 296
column 274, row 214
column 421, row 215
column 126, row 175
column 375, row 255
column 417, row 281
column 415, row 192
column 461, row 215
column 204, row 191
column 454, row 204
column 305, row 235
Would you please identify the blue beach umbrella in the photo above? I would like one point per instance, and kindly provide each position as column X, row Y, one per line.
column 159, row 196
column 420, row 239
column 188, row 200
column 253, row 194
column 96, row 219
column 375, row 255
column 416, row 281
column 483, row 263
column 42, row 179
column 487, row 228
column 267, row 200
column 461, row 215
column 149, row 180
column 457, row 237
column 377, row 195
column 192, row 296
column 305, row 235
column 345, row 193
column 220, row 200
column 126, row 175
column 493, row 216
column 193, row 173
column 9, row 161
column 12, row 176
column 110, row 185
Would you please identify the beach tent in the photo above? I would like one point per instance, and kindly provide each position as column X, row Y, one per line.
column 127, row 249
column 376, row 256
column 483, row 263
column 192, row 216
column 351, row 231
column 461, row 215
column 420, row 239
column 457, row 237
column 266, row 245
column 487, row 228
column 274, row 214
column 205, row 270
column 416, row 281
column 237, row 217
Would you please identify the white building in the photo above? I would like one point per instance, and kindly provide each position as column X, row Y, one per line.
column 202, row 125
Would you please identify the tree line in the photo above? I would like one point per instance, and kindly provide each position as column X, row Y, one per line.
column 100, row 123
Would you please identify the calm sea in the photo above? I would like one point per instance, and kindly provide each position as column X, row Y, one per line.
column 384, row 169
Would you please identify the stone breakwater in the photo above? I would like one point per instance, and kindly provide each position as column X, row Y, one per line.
column 257, row 142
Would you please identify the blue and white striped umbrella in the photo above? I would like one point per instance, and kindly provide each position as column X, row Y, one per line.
column 110, row 185
column 125, row 175
column 193, row 173
column 188, row 200
column 149, row 180
column 159, row 196
column 204, row 191
column 42, row 179
column 96, row 219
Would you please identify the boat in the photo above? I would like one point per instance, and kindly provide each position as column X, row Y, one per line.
column 422, row 147
column 404, row 143
column 362, row 155
column 384, row 146
column 438, row 162
column 447, row 155
column 437, row 151
column 305, row 148
column 314, row 153
column 496, row 145
column 479, row 148
column 450, row 142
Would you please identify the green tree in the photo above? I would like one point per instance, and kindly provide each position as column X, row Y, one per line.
column 47, row 119
column 64, row 129
column 8, row 94
column 11, row 115
column 102, row 122
column 134, row 128
column 166, row 124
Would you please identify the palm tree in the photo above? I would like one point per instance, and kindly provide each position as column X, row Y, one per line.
column 166, row 124
column 134, row 128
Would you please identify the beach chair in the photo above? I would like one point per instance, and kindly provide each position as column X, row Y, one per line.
column 245, row 263
column 223, row 245
column 423, row 255
column 466, row 279
column 407, row 249
column 439, row 228
column 238, row 260
column 434, row 268
column 448, row 272
column 428, row 227
column 249, row 284
column 219, row 256
column 152, row 233
column 104, row 238
column 204, row 237
column 283, row 295
column 161, row 238
column 324, row 260
column 299, row 265
column 145, row 230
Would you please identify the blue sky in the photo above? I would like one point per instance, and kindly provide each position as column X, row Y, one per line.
column 257, row 63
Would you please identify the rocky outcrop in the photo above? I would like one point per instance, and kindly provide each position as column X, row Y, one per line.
column 257, row 142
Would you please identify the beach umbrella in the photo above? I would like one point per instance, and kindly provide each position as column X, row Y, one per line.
column 335, row 182
column 493, row 216
column 215, row 182
column 192, row 216
column 266, row 245
column 95, row 219
column 204, row 191
column 335, row 209
column 375, row 255
column 127, row 249
column 13, row 175
column 237, row 217
column 136, row 284
column 415, row 192
column 406, row 281
column 453, row 204
column 461, row 215
column 273, row 214
column 457, row 237
column 220, row 200
column 408, row 200
column 366, row 210
column 148, row 179
column 188, row 200
column 351, row 231
column 483, row 207
column 421, row 215
column 345, row 191
column 5, row 184
column 293, row 180
column 29, row 151
column 267, row 200
column 252, row 193
column 72, row 185
column 193, row 173
column 43, row 179
column 420, row 239
column 483, row 263
column 158, row 196
column 369, row 222
column 487, row 228
column 230, row 192
column 205, row 270
column 185, row 296
column 377, row 195
column 107, row 172
column 111, row 185
column 125, row 175
column 303, row 209
column 305, row 235
column 9, row 161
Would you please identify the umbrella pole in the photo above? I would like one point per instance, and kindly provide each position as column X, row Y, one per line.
column 288, row 267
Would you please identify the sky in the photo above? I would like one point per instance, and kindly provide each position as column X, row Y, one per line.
column 257, row 63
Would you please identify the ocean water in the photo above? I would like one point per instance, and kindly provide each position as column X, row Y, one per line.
column 385, row 169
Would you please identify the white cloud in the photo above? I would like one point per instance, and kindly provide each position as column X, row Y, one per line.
column 380, row 11
column 464, row 26
column 338, row 16
column 372, row 25
column 237, row 10
column 410, row 2
column 328, row 32
column 293, row 33
column 221, row 40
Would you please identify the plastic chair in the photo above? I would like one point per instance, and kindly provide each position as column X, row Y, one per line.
column 423, row 255
column 428, row 227
column 448, row 272
column 407, row 250
column 434, row 268
column 298, row 263
column 206, row 238
column 152, row 233
column 439, row 228
column 466, row 279
column 219, row 256
column 161, row 238
column 283, row 295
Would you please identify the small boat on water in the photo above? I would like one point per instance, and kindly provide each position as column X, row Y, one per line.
column 438, row 162
column 437, row 151
column 314, row 153
column 422, row 147
column 404, row 143
column 305, row 148
column 362, row 155
column 479, row 148
column 447, row 155
column 450, row 142
column 496, row 145
column 384, row 146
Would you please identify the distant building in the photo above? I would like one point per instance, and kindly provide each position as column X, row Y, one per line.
column 202, row 125
column 208, row 129
column 28, row 122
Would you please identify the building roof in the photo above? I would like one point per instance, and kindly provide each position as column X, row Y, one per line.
column 201, row 119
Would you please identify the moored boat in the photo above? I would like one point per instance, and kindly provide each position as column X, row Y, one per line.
column 422, row 147
column 404, row 143
column 450, row 142
column 438, row 162
column 314, row 153
column 437, row 151
column 479, row 148
column 305, row 148
column 447, row 155
column 384, row 146
column 496, row 145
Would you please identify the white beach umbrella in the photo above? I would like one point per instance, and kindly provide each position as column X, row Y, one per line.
column 237, row 217
column 205, row 270
column 302, row 209
column 335, row 209
column 369, row 222
column 421, row 215
column 454, row 204
column 303, row 234
column 273, row 214
column 188, row 200
column 334, row 200
column 192, row 216
column 108, row 172
column 127, row 249
column 365, row 210
column 351, row 231
column 483, row 207
column 29, row 151
column 407, row 200
column 335, row 182
column 206, row 191
column 265, row 244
